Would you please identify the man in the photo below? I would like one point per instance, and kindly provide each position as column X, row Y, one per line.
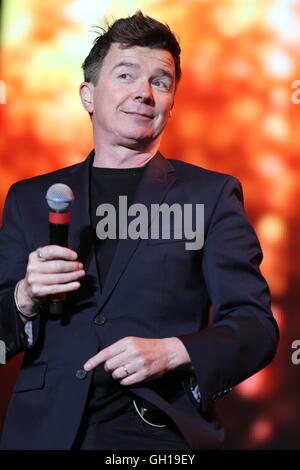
column 133, row 362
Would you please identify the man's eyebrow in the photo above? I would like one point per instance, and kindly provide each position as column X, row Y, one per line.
column 164, row 72
column 126, row 64
column 131, row 64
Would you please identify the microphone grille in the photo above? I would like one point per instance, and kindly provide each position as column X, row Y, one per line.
column 59, row 197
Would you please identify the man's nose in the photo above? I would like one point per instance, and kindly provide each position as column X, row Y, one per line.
column 143, row 92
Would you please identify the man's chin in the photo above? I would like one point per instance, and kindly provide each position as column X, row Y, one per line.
column 138, row 142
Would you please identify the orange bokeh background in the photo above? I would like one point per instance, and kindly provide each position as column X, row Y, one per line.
column 236, row 111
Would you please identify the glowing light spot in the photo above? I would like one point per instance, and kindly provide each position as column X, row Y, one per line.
column 280, row 97
column 245, row 110
column 252, row 387
column 17, row 24
column 87, row 11
column 272, row 167
column 238, row 68
column 272, row 228
column 262, row 430
column 278, row 64
column 2, row 92
column 276, row 126
column 204, row 61
column 236, row 17
column 282, row 19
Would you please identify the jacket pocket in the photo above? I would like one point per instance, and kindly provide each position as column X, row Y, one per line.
column 31, row 378
column 171, row 238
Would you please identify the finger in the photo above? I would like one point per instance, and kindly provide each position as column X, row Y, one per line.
column 132, row 379
column 56, row 252
column 92, row 363
column 44, row 291
column 119, row 373
column 106, row 353
column 56, row 266
column 50, row 279
column 117, row 361
column 99, row 358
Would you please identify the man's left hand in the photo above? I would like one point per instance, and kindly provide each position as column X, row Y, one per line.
column 132, row 360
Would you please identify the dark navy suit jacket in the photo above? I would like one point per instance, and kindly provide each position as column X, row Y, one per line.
column 154, row 289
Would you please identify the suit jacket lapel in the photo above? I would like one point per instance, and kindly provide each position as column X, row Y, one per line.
column 81, row 233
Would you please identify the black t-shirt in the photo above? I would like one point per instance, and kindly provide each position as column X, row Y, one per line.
column 107, row 397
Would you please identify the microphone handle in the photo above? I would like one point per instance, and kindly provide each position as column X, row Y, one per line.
column 58, row 236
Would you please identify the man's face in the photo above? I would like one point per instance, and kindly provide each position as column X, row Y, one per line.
column 132, row 100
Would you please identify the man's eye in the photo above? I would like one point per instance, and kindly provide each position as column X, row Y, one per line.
column 125, row 75
column 161, row 84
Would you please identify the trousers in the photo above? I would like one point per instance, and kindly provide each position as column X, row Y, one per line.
column 128, row 431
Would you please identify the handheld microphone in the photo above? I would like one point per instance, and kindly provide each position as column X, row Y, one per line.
column 59, row 198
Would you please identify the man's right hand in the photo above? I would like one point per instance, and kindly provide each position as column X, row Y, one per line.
column 54, row 272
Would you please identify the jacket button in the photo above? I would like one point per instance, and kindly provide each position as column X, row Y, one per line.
column 81, row 374
column 100, row 319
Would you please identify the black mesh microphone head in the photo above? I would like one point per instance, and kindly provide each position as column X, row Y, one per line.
column 59, row 197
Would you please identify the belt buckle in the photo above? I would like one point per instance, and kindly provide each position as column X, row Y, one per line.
column 148, row 415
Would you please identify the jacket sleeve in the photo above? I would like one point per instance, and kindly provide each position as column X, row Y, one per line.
column 13, row 262
column 243, row 335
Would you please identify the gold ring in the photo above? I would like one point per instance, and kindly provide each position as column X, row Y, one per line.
column 125, row 369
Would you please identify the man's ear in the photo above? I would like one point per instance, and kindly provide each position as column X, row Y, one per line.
column 86, row 95
column 170, row 112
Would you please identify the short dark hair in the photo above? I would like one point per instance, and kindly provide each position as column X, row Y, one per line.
column 136, row 30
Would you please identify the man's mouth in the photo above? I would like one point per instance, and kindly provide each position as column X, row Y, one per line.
column 139, row 115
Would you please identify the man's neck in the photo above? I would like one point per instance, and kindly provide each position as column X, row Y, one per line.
column 122, row 157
